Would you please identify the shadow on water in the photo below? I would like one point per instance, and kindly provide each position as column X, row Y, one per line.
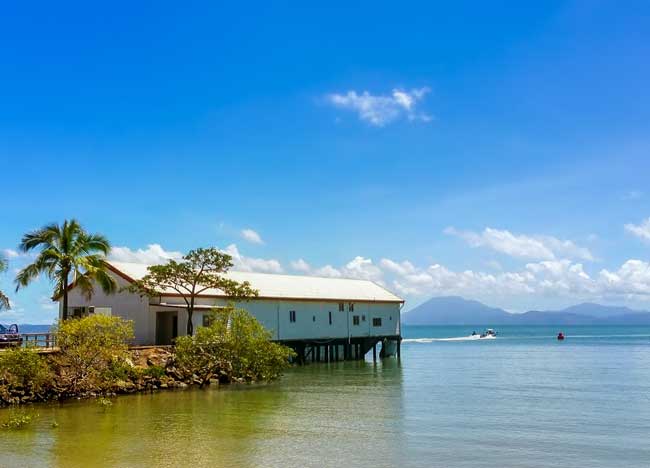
column 309, row 411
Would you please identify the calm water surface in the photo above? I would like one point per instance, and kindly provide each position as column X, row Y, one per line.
column 522, row 399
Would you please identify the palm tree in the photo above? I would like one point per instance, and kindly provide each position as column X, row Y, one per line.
column 4, row 300
column 67, row 250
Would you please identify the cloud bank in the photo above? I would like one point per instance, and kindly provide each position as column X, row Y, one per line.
column 552, row 269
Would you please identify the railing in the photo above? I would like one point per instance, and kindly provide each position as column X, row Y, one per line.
column 39, row 340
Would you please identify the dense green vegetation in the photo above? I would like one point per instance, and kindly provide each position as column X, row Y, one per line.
column 234, row 346
column 25, row 369
column 94, row 359
column 90, row 348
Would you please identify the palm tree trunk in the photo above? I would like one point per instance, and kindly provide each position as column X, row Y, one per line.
column 64, row 316
column 65, row 302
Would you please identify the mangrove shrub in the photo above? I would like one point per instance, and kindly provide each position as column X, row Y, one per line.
column 234, row 346
column 24, row 368
column 89, row 348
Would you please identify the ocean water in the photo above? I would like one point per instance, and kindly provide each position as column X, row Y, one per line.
column 520, row 400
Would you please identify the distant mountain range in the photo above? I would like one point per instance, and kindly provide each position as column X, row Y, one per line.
column 453, row 310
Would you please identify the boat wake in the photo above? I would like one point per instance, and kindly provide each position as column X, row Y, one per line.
column 458, row 338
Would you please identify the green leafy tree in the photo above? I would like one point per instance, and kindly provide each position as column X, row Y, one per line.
column 199, row 270
column 4, row 300
column 67, row 250
column 236, row 345
column 89, row 348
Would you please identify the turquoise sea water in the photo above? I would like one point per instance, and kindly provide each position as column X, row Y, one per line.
column 520, row 400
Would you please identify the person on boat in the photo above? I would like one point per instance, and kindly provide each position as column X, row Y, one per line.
column 474, row 333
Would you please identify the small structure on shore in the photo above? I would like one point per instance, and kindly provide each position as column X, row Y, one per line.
column 322, row 319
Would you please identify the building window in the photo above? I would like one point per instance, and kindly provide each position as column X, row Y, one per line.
column 376, row 322
column 207, row 320
column 292, row 316
column 341, row 307
column 363, row 318
column 330, row 318
column 355, row 320
column 351, row 307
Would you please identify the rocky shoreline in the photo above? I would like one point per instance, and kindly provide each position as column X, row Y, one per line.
column 149, row 369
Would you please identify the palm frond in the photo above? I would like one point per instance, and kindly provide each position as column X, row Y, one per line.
column 44, row 236
column 85, row 284
column 26, row 275
column 105, row 281
column 4, row 301
column 97, row 243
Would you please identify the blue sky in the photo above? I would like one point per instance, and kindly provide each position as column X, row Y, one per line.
column 494, row 151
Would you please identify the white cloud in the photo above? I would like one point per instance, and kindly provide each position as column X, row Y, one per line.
column 153, row 254
column 522, row 246
column 251, row 236
column 566, row 248
column 243, row 263
column 301, row 265
column 403, row 268
column 642, row 231
column 632, row 279
column 379, row 110
column 10, row 253
column 357, row 268
column 362, row 268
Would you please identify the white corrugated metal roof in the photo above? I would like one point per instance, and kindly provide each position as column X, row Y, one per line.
column 289, row 286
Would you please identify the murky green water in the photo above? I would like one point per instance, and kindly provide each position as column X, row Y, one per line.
column 305, row 420
column 522, row 399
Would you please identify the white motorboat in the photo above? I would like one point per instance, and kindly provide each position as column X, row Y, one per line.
column 489, row 333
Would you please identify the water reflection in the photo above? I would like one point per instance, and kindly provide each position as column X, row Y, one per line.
column 314, row 414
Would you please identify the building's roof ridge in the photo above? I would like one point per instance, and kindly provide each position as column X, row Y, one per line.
column 284, row 285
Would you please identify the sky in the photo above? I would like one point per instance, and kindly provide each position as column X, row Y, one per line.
column 497, row 151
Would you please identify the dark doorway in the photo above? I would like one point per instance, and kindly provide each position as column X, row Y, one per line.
column 166, row 327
